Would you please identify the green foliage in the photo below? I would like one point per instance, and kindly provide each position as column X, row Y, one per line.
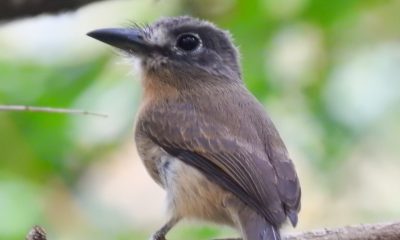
column 43, row 140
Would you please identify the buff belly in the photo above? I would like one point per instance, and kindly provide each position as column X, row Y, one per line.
column 190, row 194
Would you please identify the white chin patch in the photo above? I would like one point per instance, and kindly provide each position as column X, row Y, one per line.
column 134, row 64
column 139, row 66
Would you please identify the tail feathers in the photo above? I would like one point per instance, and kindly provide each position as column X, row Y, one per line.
column 259, row 229
column 270, row 233
column 292, row 215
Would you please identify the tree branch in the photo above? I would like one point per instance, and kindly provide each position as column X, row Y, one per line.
column 381, row 231
column 13, row 9
column 49, row 110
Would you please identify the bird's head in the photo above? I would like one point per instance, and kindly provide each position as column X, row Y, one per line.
column 180, row 49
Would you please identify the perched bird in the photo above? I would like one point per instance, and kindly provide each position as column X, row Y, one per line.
column 202, row 135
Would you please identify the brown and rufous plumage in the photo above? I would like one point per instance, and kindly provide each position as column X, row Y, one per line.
column 202, row 135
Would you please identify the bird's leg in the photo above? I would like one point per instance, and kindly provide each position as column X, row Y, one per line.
column 160, row 234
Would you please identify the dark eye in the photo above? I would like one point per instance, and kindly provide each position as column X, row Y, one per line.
column 188, row 42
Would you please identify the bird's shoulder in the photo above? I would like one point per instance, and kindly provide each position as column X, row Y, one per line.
column 216, row 113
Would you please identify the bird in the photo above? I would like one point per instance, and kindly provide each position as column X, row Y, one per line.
column 202, row 135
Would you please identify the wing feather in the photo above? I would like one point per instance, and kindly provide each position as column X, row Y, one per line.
column 269, row 187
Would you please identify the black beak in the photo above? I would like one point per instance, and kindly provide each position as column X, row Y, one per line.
column 131, row 40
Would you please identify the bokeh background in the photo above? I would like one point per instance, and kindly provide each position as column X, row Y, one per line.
column 328, row 72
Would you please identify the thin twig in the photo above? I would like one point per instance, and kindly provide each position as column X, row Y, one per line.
column 49, row 110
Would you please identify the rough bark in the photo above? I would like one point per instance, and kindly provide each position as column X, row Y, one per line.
column 15, row 9
column 381, row 231
column 36, row 233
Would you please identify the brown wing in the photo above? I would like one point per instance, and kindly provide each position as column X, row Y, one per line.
column 208, row 145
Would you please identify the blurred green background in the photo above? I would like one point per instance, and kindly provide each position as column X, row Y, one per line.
column 328, row 72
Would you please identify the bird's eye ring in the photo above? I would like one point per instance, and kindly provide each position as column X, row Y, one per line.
column 188, row 42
